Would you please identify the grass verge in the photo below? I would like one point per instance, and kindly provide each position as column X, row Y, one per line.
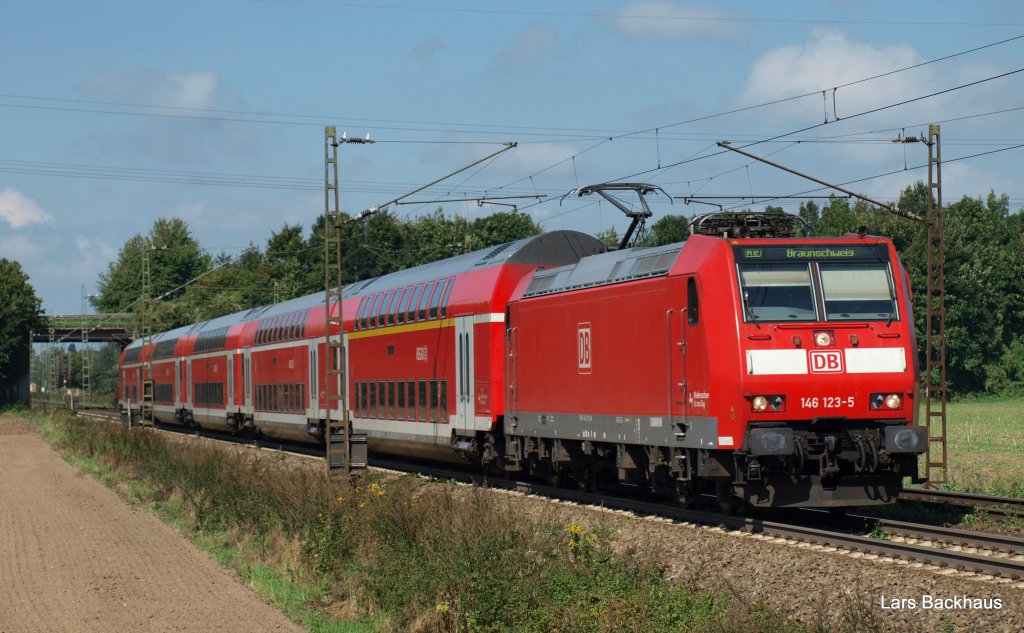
column 400, row 554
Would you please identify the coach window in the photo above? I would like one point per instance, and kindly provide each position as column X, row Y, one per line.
column 391, row 399
column 372, row 410
column 776, row 292
column 400, row 415
column 433, row 401
column 436, row 300
column 422, row 401
column 373, row 310
column 692, row 302
column 403, row 304
column 384, row 307
column 443, row 412
column 410, row 400
column 364, row 305
column 393, row 307
column 447, row 293
column 382, row 409
column 421, row 312
column 411, row 315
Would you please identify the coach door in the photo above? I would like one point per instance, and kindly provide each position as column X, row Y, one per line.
column 247, row 380
column 178, row 398
column 314, row 385
column 188, row 384
column 464, row 374
column 231, row 383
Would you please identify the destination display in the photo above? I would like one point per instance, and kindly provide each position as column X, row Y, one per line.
column 790, row 252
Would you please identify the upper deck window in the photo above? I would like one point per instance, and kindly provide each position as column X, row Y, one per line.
column 777, row 292
column 857, row 292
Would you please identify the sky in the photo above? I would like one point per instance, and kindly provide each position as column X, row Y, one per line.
column 114, row 113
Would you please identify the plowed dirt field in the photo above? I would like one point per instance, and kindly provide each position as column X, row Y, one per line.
column 75, row 557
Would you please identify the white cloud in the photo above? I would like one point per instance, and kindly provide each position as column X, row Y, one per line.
column 827, row 59
column 19, row 210
column 537, row 42
column 181, row 131
column 667, row 19
column 173, row 89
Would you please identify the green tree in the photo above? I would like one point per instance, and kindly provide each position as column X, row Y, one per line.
column 609, row 237
column 669, row 229
column 808, row 212
column 20, row 314
column 175, row 259
column 502, row 227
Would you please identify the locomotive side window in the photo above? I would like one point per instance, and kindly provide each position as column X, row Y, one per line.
column 861, row 292
column 692, row 305
column 777, row 292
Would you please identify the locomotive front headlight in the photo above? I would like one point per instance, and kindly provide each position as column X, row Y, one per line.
column 877, row 400
column 822, row 339
column 776, row 402
column 760, row 403
column 893, row 401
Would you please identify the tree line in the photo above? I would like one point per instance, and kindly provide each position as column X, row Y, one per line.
column 984, row 252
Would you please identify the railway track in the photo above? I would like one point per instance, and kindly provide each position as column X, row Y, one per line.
column 1002, row 507
column 999, row 556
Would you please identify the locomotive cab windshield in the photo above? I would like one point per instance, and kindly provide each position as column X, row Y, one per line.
column 780, row 284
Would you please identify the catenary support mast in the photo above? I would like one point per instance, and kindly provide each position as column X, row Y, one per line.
column 344, row 451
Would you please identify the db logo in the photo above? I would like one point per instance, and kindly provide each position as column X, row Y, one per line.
column 583, row 353
column 830, row 362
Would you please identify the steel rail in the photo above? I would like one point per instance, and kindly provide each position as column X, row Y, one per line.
column 1014, row 507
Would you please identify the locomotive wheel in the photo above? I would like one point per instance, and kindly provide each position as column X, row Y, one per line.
column 555, row 476
column 686, row 493
column 728, row 503
column 584, row 478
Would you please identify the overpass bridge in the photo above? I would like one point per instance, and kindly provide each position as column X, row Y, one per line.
column 87, row 328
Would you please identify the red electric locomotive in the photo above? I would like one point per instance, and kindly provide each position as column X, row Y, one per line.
column 779, row 372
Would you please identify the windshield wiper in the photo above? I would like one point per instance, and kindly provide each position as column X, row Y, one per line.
column 892, row 307
column 746, row 308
